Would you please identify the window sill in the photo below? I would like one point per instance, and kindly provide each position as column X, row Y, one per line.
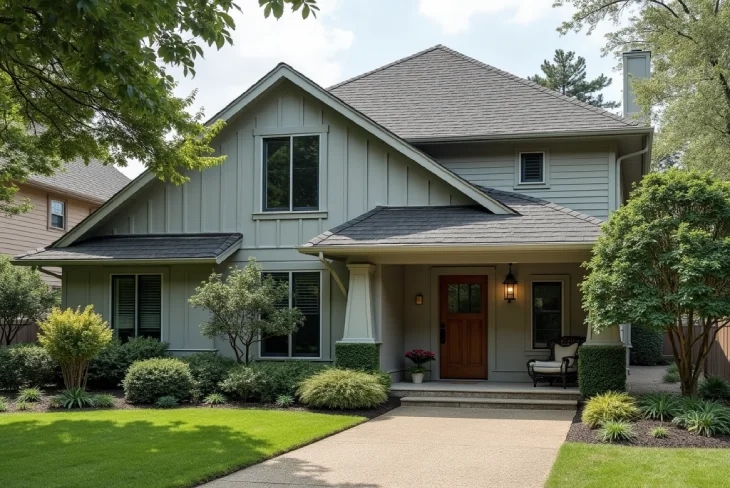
column 289, row 215
column 286, row 358
column 532, row 186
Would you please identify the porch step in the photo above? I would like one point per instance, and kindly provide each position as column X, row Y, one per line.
column 471, row 402
column 432, row 390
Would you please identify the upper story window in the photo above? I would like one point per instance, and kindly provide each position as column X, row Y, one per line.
column 532, row 167
column 57, row 212
column 291, row 173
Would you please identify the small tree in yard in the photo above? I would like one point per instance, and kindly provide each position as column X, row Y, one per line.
column 663, row 261
column 24, row 299
column 74, row 338
column 245, row 307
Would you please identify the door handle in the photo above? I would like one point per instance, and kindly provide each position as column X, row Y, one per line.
column 443, row 333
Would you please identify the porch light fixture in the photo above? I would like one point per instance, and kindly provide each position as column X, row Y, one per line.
column 419, row 299
column 509, row 285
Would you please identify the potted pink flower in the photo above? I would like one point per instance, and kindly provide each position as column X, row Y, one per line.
column 419, row 357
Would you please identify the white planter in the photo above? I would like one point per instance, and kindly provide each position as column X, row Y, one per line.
column 417, row 378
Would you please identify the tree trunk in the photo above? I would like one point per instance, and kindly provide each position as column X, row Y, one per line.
column 247, row 346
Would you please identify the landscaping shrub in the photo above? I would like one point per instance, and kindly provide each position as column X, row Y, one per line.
column 75, row 398
column 659, row 406
column 146, row 381
column 3, row 404
column 55, row 402
column 107, row 370
column 362, row 357
column 670, row 377
column 23, row 406
column 659, row 432
column 616, row 431
column 103, row 400
column 714, row 388
column 647, row 345
column 166, row 402
column 672, row 368
column 243, row 383
column 284, row 401
column 30, row 395
column 282, row 378
column 208, row 369
column 215, row 399
column 342, row 389
column 704, row 417
column 26, row 365
column 384, row 379
column 601, row 369
column 610, row 406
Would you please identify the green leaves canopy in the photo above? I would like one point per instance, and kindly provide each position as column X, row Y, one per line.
column 688, row 95
column 87, row 79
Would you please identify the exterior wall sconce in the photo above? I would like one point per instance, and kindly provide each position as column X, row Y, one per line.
column 419, row 299
column 509, row 285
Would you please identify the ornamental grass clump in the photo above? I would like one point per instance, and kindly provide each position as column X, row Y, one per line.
column 610, row 406
column 75, row 398
column 704, row 417
column 616, row 431
column 74, row 338
column 30, row 395
column 660, row 433
column 659, row 406
column 342, row 389
column 215, row 399
column 714, row 388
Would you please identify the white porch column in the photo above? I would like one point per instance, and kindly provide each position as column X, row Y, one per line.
column 610, row 336
column 359, row 319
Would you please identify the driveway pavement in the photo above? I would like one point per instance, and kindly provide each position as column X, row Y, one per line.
column 422, row 446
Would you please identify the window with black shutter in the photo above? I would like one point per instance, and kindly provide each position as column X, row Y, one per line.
column 532, row 167
column 137, row 306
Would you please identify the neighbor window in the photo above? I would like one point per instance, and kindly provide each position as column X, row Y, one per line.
column 137, row 306
column 291, row 173
column 58, row 214
column 532, row 167
column 547, row 312
column 304, row 294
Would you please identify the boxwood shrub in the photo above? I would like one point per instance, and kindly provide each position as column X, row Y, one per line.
column 362, row 357
column 108, row 369
column 601, row 369
column 208, row 369
column 647, row 345
column 25, row 365
column 147, row 381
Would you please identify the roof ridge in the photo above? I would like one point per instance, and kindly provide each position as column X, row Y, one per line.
column 545, row 203
column 384, row 67
column 532, row 84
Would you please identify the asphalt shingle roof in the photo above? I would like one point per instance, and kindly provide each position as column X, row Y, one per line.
column 134, row 247
column 536, row 222
column 442, row 93
column 95, row 181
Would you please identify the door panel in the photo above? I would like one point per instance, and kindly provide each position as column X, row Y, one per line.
column 463, row 314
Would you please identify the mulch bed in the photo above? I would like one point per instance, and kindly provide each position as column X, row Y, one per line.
column 120, row 404
column 642, row 428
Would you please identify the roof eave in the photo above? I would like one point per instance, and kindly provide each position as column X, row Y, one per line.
column 59, row 190
column 112, row 262
column 444, row 248
column 533, row 135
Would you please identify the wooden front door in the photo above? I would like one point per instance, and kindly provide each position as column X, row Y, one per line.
column 463, row 326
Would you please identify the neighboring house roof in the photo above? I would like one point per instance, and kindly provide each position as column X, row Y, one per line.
column 94, row 181
column 441, row 94
column 537, row 222
column 211, row 247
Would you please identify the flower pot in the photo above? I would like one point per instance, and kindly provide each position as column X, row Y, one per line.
column 417, row 378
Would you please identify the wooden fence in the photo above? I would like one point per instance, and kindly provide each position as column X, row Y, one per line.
column 29, row 333
column 718, row 361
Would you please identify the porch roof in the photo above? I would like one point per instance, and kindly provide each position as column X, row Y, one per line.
column 535, row 223
column 133, row 249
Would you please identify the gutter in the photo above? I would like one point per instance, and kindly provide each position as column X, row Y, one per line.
column 334, row 274
column 532, row 135
column 619, row 186
column 402, row 249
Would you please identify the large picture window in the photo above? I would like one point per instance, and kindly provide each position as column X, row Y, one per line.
column 304, row 294
column 137, row 306
column 547, row 312
column 291, row 173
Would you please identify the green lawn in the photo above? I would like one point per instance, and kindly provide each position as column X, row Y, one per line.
column 590, row 465
column 150, row 448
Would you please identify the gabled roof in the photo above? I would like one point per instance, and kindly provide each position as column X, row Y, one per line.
column 536, row 223
column 95, row 181
column 209, row 248
column 442, row 94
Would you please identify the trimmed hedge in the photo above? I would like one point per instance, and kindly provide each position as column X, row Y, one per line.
column 208, row 369
column 647, row 345
column 361, row 357
column 26, row 365
column 601, row 369
column 149, row 380
column 107, row 370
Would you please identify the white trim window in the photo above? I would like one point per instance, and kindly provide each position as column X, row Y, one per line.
column 532, row 170
column 305, row 293
column 291, row 173
column 548, row 312
column 137, row 306
column 57, row 214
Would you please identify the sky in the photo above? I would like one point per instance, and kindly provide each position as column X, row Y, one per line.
column 350, row 37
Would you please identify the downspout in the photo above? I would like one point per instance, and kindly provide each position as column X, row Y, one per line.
column 620, row 186
column 334, row 274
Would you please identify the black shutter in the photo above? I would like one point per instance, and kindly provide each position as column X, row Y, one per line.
column 150, row 305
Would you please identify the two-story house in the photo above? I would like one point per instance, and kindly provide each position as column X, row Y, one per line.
column 436, row 202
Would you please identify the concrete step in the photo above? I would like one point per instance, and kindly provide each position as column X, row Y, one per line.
column 521, row 394
column 471, row 402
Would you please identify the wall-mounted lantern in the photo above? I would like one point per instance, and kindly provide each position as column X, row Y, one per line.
column 419, row 299
column 509, row 285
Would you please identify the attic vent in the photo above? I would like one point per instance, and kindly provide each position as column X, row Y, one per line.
column 532, row 167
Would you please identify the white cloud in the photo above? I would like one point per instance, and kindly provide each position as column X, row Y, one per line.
column 454, row 16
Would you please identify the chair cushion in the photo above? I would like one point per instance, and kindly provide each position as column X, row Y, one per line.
column 561, row 352
column 550, row 367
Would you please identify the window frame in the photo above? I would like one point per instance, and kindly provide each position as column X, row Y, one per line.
column 262, row 183
column 565, row 308
column 115, row 331
column 545, row 183
column 289, row 356
column 51, row 200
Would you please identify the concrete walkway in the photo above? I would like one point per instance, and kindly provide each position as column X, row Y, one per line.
column 422, row 446
column 648, row 379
